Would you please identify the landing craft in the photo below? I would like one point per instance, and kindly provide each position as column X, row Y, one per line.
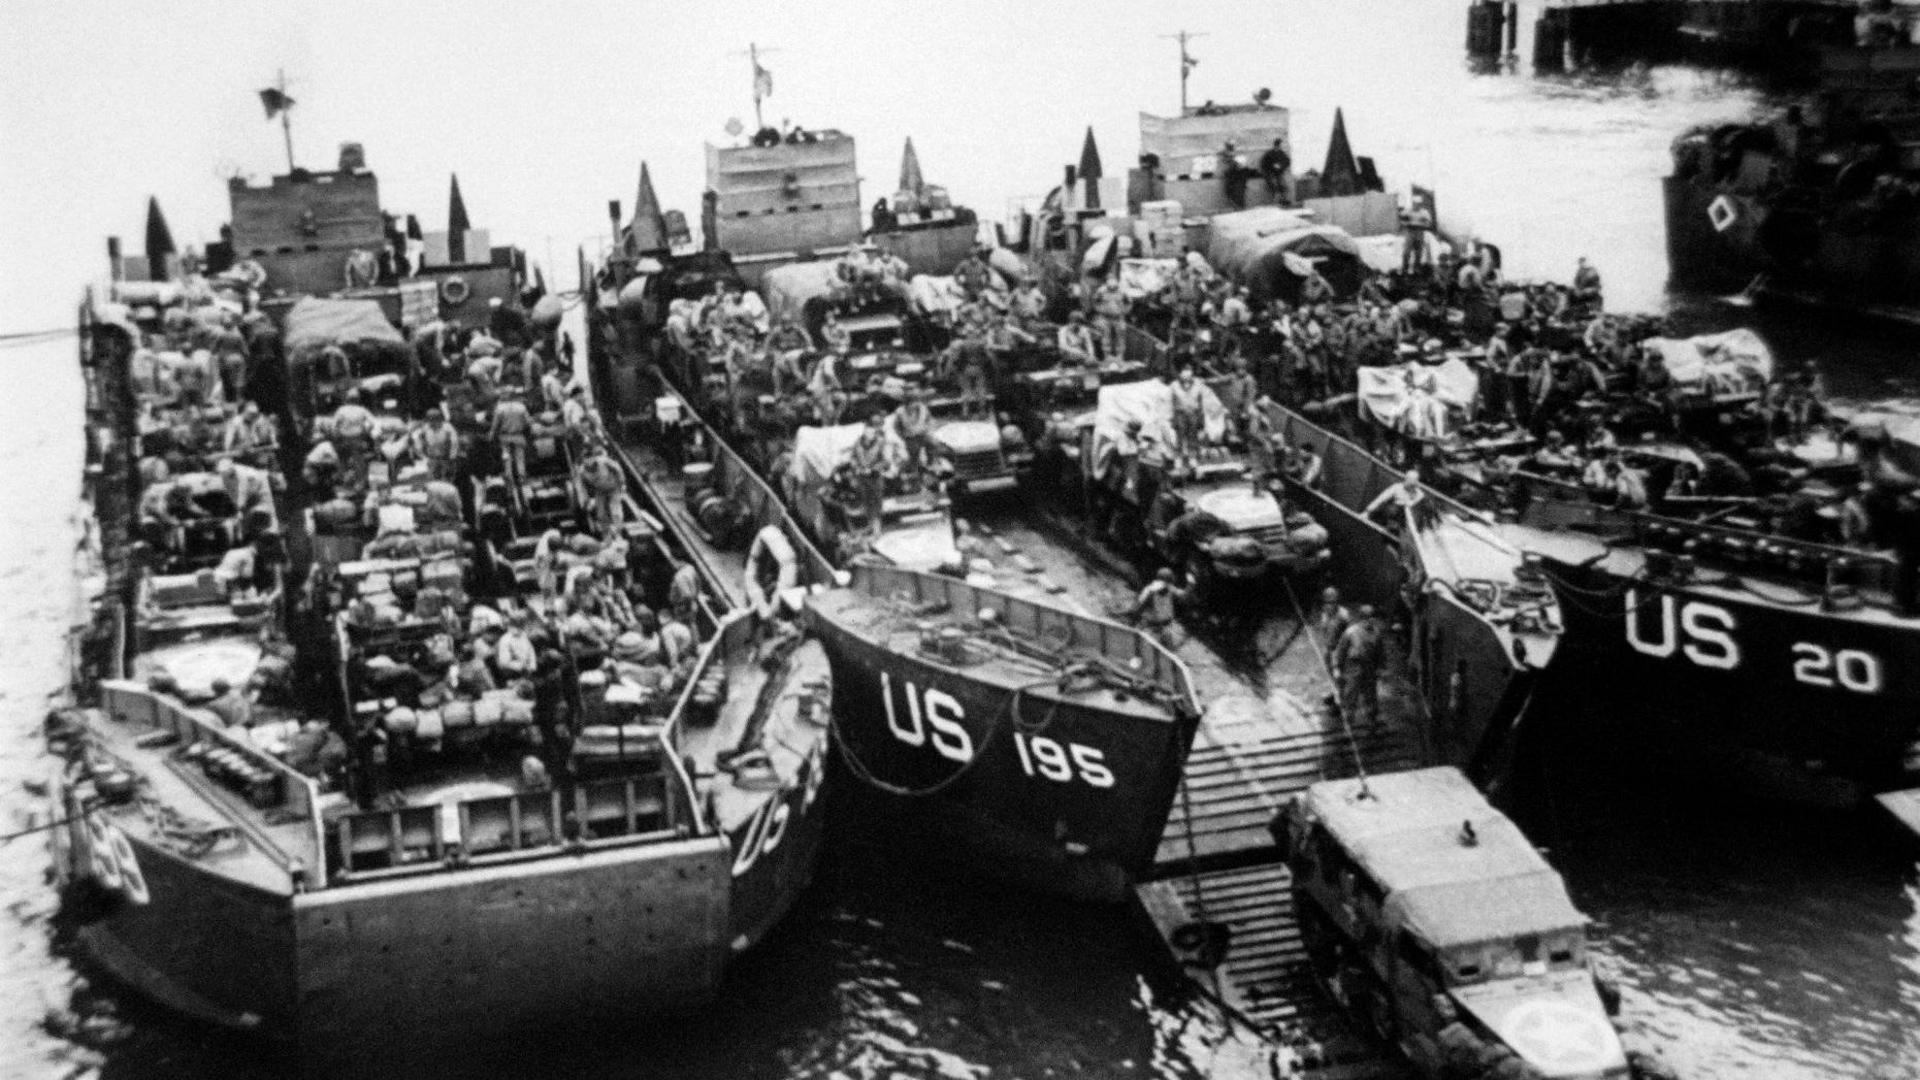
column 284, row 814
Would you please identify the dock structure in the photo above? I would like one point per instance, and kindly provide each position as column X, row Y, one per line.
column 1756, row 32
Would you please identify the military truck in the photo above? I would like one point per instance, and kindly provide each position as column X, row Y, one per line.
column 1428, row 914
column 1214, row 516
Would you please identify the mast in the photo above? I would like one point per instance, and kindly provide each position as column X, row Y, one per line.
column 1187, row 63
column 762, row 83
column 275, row 100
column 286, row 116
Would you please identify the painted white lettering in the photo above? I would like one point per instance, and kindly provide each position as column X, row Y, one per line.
column 945, row 716
column 1093, row 766
column 1711, row 631
column 1851, row 669
column 1636, row 614
column 914, row 735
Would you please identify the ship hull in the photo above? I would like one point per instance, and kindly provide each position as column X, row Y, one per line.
column 1478, row 681
column 1038, row 791
column 617, row 936
column 1781, row 702
column 1865, row 265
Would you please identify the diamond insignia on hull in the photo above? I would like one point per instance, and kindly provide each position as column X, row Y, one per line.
column 1722, row 213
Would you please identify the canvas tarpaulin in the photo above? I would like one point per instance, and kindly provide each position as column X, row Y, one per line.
column 788, row 288
column 1733, row 362
column 1252, row 248
column 316, row 321
column 1419, row 399
column 819, row 451
column 1151, row 403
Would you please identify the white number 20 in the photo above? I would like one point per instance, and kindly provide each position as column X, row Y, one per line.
column 1850, row 669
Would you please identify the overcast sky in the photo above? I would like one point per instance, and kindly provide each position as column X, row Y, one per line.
column 546, row 109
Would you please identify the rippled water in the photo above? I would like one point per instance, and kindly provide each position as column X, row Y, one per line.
column 1749, row 942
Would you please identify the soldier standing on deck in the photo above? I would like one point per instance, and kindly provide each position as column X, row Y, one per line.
column 1356, row 668
column 1110, row 307
column 1153, row 611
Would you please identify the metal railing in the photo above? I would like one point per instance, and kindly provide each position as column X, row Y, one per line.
column 1127, row 648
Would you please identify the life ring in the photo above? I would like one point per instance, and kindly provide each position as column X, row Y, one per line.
column 455, row 290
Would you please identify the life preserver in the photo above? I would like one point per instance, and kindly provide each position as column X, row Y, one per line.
column 455, row 290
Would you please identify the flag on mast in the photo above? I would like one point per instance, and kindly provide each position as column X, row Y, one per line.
column 762, row 80
column 275, row 101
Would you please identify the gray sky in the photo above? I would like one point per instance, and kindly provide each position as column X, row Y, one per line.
column 545, row 109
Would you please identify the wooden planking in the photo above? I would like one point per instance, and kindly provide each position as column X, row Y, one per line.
column 1231, row 791
column 1264, row 977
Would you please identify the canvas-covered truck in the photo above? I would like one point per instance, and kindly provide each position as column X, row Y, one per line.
column 1429, row 915
column 1205, row 508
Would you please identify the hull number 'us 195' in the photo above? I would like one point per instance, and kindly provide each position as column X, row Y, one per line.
column 1704, row 634
column 932, row 717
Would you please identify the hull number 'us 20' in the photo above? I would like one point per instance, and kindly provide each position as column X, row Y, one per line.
column 934, row 718
column 1705, row 635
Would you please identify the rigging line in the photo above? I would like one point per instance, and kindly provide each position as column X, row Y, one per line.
column 34, row 337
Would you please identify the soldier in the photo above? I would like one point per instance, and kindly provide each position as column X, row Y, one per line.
column 437, row 444
column 1586, row 286
column 603, row 482
column 870, row 465
column 913, row 424
column 1110, row 308
column 829, row 396
column 1153, row 609
column 972, row 275
column 973, row 361
column 1189, row 416
column 250, row 436
column 1075, row 340
column 353, row 431
column 1356, row 667
column 1028, row 304
column 1237, row 396
column 834, row 336
column 509, row 429
column 1332, row 617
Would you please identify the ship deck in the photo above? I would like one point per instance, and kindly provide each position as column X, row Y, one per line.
column 723, row 568
column 176, row 800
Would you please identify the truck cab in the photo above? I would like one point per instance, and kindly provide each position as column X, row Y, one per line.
column 1428, row 914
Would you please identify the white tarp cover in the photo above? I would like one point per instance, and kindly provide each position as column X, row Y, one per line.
column 1418, row 399
column 818, row 451
column 787, row 288
column 1733, row 362
column 1145, row 277
column 316, row 321
column 1149, row 401
column 935, row 295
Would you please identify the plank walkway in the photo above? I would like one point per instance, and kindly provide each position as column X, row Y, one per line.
column 1233, row 788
